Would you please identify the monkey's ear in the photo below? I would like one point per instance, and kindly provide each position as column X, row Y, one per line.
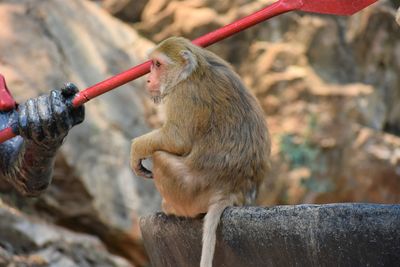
column 191, row 63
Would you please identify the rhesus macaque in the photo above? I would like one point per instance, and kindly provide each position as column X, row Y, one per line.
column 213, row 150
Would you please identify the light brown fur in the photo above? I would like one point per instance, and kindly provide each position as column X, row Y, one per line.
column 213, row 150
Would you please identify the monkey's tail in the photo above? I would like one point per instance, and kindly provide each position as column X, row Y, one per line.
column 211, row 221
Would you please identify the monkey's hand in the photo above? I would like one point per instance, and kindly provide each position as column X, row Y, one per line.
column 46, row 120
column 140, row 170
column 136, row 161
column 163, row 139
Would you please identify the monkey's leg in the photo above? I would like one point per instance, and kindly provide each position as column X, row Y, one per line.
column 179, row 186
column 167, row 170
column 167, row 209
column 144, row 146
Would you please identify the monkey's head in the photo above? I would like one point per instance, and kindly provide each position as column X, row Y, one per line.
column 173, row 61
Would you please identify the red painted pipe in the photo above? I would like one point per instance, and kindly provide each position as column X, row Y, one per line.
column 337, row 7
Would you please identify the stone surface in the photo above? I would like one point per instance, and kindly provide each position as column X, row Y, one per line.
column 302, row 235
column 128, row 10
column 45, row 44
column 28, row 241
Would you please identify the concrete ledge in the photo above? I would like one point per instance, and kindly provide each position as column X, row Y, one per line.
column 302, row 235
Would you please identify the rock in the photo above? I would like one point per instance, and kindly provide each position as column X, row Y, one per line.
column 303, row 235
column 47, row 43
column 370, row 168
column 377, row 66
column 182, row 18
column 26, row 241
column 127, row 10
column 344, row 163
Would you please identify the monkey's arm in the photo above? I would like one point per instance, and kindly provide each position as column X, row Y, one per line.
column 164, row 139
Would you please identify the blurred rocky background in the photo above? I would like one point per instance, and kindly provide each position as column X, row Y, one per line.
column 329, row 87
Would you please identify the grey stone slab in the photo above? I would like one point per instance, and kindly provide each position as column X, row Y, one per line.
column 300, row 235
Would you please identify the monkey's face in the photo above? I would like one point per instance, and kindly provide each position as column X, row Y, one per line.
column 162, row 76
column 171, row 64
column 155, row 77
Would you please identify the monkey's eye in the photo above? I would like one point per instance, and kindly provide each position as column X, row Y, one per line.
column 157, row 63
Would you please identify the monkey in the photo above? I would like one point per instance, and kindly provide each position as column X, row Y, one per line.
column 213, row 150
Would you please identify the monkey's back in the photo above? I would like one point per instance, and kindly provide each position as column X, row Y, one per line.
column 233, row 145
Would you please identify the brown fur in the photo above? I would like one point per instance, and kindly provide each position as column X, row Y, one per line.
column 214, row 146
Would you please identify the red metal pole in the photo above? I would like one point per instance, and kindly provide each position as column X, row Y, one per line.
column 6, row 134
column 111, row 83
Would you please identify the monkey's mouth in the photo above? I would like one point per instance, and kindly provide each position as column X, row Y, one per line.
column 153, row 91
column 156, row 98
column 155, row 95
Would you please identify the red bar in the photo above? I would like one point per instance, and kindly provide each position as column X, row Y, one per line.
column 6, row 134
column 111, row 83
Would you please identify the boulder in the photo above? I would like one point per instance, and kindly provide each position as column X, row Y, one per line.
column 45, row 44
column 28, row 241
column 300, row 235
column 127, row 10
